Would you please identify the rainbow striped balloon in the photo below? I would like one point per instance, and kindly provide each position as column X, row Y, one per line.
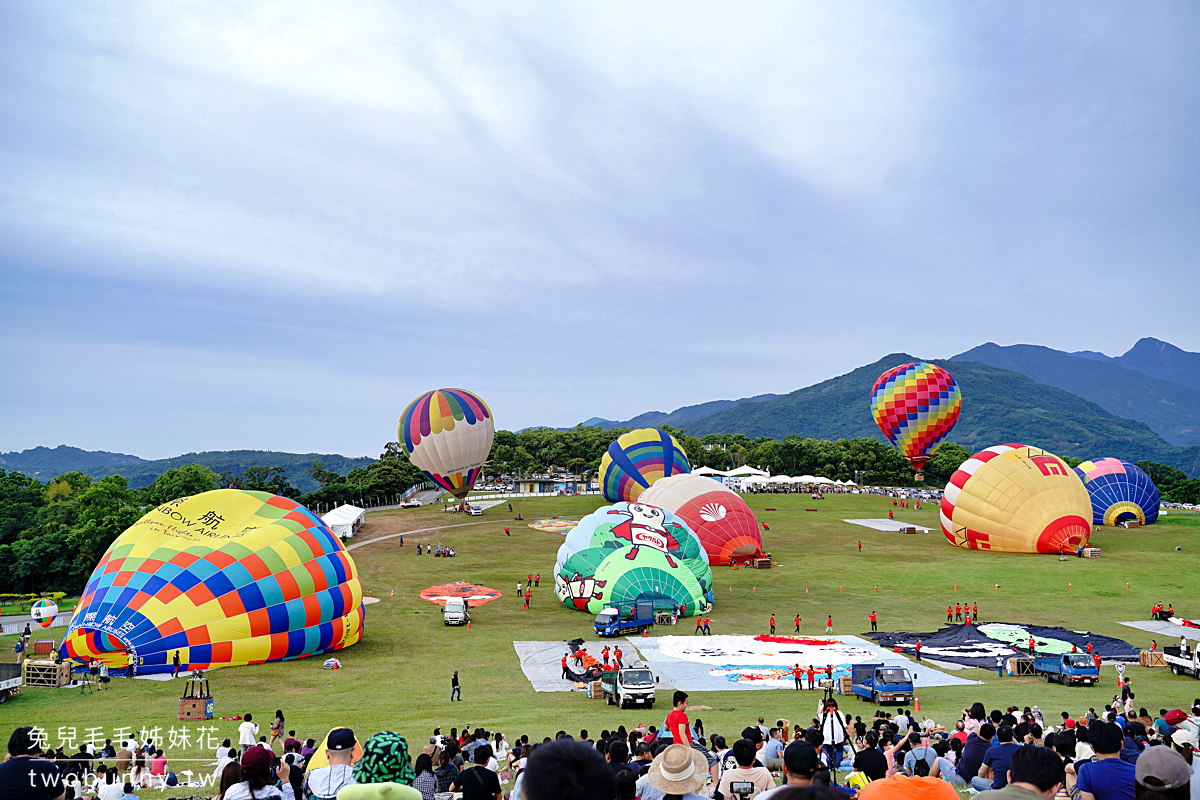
column 915, row 406
column 225, row 577
column 448, row 434
column 636, row 460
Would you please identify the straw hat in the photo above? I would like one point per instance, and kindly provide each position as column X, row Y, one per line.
column 678, row 770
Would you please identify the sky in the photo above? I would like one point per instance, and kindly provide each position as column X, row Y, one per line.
column 229, row 225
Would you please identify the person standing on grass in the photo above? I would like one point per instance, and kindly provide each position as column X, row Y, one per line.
column 528, row 595
column 175, row 665
column 999, row 666
column 949, row 614
column 707, row 630
column 455, row 687
column 247, row 734
column 677, row 720
column 617, row 656
column 860, row 545
column 772, row 623
column 699, row 625
column 797, row 623
column 276, row 728
column 874, row 619
column 918, row 648
column 829, row 623
column 975, row 611
column 958, row 612
column 537, row 579
column 797, row 673
column 812, row 677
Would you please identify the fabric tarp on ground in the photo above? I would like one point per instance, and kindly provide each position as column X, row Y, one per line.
column 542, row 663
column 1168, row 629
column 978, row 645
column 889, row 525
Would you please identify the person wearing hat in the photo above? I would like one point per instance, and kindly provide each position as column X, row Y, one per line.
column 1162, row 774
column 677, row 772
column 800, row 766
column 258, row 780
column 385, row 761
column 325, row 782
column 744, row 752
column 751, row 734
column 24, row 775
column 1035, row 773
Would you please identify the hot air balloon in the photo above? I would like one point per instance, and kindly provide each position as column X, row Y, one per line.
column 44, row 611
column 1120, row 491
column 915, row 406
column 225, row 577
column 630, row 551
column 636, row 460
column 725, row 525
column 1016, row 499
column 448, row 434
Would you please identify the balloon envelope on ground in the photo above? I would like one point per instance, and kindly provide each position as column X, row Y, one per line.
column 448, row 434
column 1119, row 491
column 626, row 551
column 725, row 525
column 636, row 460
column 916, row 405
column 225, row 577
column 1016, row 499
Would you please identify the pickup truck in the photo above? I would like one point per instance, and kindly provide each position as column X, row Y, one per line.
column 1181, row 664
column 456, row 612
column 633, row 686
column 1067, row 669
column 411, row 504
column 10, row 680
column 881, row 684
column 612, row 622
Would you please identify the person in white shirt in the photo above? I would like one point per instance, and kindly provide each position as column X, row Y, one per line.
column 247, row 734
column 325, row 783
column 113, row 786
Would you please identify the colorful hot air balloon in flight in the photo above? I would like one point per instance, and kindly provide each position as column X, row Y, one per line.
column 628, row 552
column 725, row 525
column 1016, row 499
column 225, row 577
column 448, row 434
column 636, row 460
column 915, row 406
column 1120, row 491
column 43, row 612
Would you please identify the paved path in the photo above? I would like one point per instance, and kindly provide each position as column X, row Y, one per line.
column 418, row 530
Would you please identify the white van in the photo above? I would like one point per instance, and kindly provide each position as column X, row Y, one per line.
column 456, row 612
column 474, row 511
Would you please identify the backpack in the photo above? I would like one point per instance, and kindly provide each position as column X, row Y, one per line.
column 921, row 768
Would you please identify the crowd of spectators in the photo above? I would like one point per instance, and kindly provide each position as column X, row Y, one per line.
column 1008, row 755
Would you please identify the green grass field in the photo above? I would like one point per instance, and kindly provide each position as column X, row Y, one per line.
column 398, row 677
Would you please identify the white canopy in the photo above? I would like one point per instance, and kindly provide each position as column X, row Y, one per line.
column 747, row 470
column 707, row 471
column 344, row 520
column 779, row 479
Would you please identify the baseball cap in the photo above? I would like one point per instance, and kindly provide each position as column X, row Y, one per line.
column 257, row 759
column 340, row 739
column 1162, row 769
column 800, row 758
column 753, row 734
column 1070, row 723
column 1184, row 736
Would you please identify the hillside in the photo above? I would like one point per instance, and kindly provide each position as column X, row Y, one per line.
column 999, row 405
column 676, row 418
column 1172, row 410
column 1157, row 359
column 44, row 463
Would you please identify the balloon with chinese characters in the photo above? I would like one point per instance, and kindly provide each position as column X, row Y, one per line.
column 1016, row 499
column 43, row 612
column 224, row 578
column 629, row 551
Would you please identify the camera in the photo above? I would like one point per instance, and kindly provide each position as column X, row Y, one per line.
column 741, row 789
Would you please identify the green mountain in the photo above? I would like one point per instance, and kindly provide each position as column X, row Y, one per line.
column 1170, row 409
column 1157, row 359
column 45, row 463
column 999, row 406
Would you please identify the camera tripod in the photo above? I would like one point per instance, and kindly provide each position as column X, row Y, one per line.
column 833, row 752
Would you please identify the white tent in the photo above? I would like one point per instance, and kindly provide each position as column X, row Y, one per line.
column 709, row 472
column 344, row 521
column 806, row 479
column 747, row 470
column 780, row 479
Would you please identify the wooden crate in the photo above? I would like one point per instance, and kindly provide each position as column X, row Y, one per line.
column 1092, row 552
column 1152, row 658
column 762, row 563
column 844, row 684
column 196, row 707
column 45, row 672
column 43, row 647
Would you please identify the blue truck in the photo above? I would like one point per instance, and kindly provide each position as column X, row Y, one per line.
column 1067, row 669
column 613, row 622
column 881, row 684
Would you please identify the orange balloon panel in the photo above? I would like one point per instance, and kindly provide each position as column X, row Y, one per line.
column 1016, row 499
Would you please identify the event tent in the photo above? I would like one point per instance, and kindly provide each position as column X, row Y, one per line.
column 344, row 521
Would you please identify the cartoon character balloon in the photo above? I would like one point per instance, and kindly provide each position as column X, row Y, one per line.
column 630, row 551
column 1016, row 499
column 915, row 406
column 1120, row 491
column 225, row 577
column 448, row 434
column 44, row 611
column 636, row 460
column 725, row 525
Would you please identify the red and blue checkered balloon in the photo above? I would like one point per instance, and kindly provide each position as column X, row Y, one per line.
column 915, row 406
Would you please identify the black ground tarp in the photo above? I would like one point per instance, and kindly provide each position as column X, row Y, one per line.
column 970, row 646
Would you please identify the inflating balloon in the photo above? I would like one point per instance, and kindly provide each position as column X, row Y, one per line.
column 448, row 434
column 725, row 525
column 225, row 577
column 630, row 551
column 636, row 460
column 43, row 612
column 915, row 406
column 1016, row 499
column 1119, row 491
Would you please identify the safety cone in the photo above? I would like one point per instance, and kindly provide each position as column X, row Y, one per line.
column 917, row 704
column 643, row 633
column 1126, row 585
column 393, row 592
column 997, row 586
column 877, row 588
column 754, row 590
column 731, row 588
column 371, row 593
column 468, row 624
column 806, row 590
column 1068, row 586
column 840, row 589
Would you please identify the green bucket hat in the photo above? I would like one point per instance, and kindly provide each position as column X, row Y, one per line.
column 384, row 759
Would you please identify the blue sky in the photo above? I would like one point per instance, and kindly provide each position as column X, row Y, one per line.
column 270, row 225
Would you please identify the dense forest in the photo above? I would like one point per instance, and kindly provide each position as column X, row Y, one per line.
column 52, row 534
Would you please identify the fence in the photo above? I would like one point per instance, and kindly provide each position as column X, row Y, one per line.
column 14, row 628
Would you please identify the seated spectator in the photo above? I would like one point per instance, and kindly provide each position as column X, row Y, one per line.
column 744, row 752
column 902, row 787
column 677, row 770
column 258, row 782
column 800, row 767
column 477, row 782
column 871, row 761
column 994, row 772
column 326, row 782
column 425, row 782
column 568, row 770
column 1034, row 773
column 1162, row 774
column 1108, row 777
column 25, row 768
column 384, row 760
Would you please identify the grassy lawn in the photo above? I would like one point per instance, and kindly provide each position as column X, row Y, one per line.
column 398, row 677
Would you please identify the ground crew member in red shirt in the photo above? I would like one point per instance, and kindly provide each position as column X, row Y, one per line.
column 707, row 632
column 829, row 624
column 968, row 617
column 1032, row 644
column 699, row 625
column 1089, row 648
column 797, row 673
column 874, row 626
column 527, row 596
column 918, row 649
column 604, row 655
column 860, row 545
column 1096, row 658
column 975, row 611
column 812, row 677
column 537, row 579
column 797, row 623
column 617, row 653
column 949, row 614
column 772, row 623
column 565, row 673
column 957, row 612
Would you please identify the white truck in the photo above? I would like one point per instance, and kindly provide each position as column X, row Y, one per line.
column 629, row 687
column 10, row 680
column 456, row 612
column 1183, row 664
